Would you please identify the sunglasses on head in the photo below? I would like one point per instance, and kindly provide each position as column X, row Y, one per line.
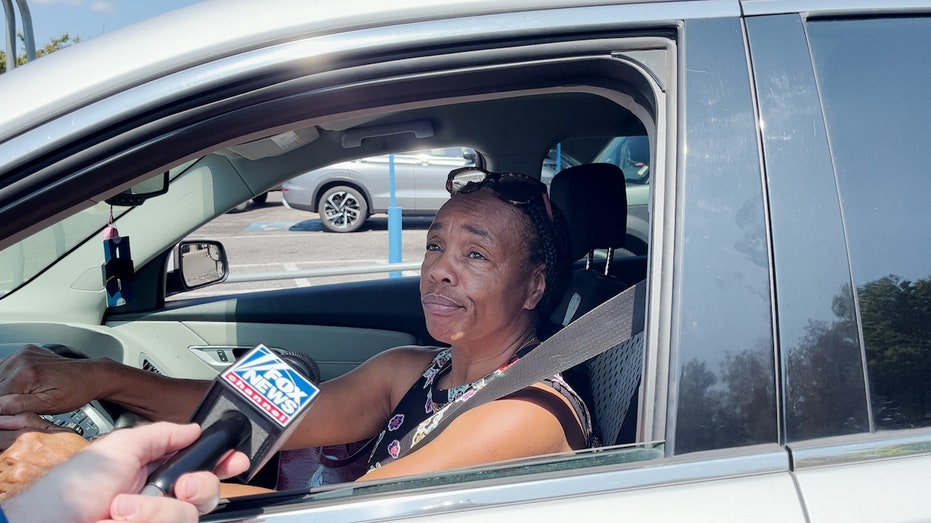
column 516, row 189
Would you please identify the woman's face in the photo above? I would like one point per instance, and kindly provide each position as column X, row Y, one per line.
column 476, row 285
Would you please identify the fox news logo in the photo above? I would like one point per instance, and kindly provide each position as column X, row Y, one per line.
column 271, row 384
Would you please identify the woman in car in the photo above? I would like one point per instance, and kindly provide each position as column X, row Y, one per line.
column 495, row 265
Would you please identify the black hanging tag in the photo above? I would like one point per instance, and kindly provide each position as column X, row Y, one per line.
column 118, row 268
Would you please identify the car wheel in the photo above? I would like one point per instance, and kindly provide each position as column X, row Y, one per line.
column 342, row 209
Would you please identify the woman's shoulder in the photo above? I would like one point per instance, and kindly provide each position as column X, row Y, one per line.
column 406, row 360
column 401, row 367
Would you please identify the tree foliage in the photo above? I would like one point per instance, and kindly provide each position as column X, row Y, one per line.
column 896, row 316
column 824, row 389
column 53, row 45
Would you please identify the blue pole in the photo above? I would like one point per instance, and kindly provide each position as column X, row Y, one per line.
column 394, row 222
column 558, row 156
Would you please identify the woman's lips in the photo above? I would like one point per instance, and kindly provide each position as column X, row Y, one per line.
column 438, row 304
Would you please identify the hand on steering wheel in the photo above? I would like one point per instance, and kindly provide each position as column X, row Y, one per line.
column 37, row 380
column 49, row 373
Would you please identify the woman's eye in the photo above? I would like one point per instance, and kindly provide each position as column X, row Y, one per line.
column 432, row 247
column 476, row 255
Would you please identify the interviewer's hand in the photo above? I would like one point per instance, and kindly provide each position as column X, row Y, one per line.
column 100, row 482
column 32, row 447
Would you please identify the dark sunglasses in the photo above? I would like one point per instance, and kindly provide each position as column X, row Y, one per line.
column 516, row 189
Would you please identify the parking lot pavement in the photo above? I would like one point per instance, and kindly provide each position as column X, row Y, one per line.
column 271, row 238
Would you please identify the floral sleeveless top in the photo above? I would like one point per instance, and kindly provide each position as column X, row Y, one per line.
column 422, row 408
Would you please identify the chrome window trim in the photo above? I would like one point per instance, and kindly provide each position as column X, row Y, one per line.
column 341, row 506
column 768, row 232
column 860, row 448
column 833, row 7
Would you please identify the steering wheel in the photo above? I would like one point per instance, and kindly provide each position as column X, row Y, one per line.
column 92, row 419
column 89, row 421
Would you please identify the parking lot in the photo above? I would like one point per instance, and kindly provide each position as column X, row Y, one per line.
column 270, row 240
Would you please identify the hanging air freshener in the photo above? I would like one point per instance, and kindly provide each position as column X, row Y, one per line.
column 118, row 268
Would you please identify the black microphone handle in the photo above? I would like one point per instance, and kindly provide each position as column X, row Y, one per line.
column 227, row 433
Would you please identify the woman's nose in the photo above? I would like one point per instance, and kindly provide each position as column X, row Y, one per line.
column 441, row 268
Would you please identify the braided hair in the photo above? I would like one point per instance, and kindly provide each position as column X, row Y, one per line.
column 548, row 243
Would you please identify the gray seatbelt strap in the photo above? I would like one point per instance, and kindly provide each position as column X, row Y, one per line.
column 607, row 325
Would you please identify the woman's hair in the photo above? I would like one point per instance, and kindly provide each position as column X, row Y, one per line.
column 548, row 243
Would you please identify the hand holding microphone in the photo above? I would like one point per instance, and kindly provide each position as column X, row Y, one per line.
column 100, row 481
column 253, row 406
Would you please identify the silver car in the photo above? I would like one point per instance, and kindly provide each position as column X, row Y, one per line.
column 347, row 193
column 784, row 371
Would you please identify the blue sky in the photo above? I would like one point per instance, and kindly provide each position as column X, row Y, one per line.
column 89, row 18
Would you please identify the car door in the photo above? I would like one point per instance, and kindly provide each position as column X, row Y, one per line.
column 708, row 418
column 708, row 442
column 848, row 189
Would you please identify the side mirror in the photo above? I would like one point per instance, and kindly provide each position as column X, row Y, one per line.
column 139, row 193
column 197, row 263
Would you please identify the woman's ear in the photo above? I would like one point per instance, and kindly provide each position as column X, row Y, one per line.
column 536, row 286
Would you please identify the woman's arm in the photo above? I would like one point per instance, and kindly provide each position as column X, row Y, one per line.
column 37, row 380
column 356, row 406
column 532, row 422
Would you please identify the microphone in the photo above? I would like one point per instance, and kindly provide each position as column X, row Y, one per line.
column 252, row 406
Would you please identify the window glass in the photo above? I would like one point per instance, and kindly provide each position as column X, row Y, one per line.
column 28, row 258
column 25, row 259
column 823, row 374
column 873, row 76
column 724, row 393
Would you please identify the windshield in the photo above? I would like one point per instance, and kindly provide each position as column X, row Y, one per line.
column 31, row 256
column 27, row 258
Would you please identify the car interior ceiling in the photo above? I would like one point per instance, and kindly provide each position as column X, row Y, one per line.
column 515, row 143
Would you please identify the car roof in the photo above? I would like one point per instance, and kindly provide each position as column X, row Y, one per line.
column 120, row 88
column 205, row 32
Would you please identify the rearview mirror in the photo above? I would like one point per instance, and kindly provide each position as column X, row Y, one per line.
column 139, row 193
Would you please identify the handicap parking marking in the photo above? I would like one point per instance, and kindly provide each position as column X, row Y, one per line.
column 268, row 226
column 306, row 225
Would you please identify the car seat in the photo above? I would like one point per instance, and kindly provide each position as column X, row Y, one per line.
column 593, row 199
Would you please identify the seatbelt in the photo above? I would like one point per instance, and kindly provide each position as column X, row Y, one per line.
column 613, row 322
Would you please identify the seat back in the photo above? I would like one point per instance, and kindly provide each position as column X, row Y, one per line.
column 593, row 199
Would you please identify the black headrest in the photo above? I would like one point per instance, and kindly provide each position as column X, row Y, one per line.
column 593, row 198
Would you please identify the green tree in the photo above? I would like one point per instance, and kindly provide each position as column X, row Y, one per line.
column 53, row 45
column 896, row 316
column 824, row 385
